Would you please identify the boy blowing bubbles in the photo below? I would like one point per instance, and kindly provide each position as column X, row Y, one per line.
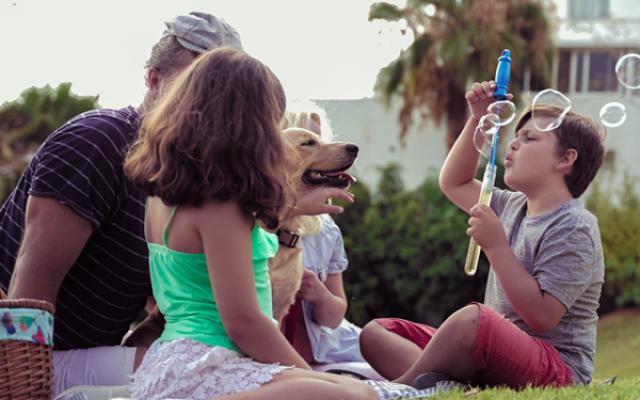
column 538, row 322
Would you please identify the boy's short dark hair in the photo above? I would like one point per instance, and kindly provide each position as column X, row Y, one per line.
column 581, row 134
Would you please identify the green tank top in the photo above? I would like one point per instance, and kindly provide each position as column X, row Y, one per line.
column 181, row 286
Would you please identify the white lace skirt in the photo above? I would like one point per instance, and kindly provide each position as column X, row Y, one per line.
column 186, row 369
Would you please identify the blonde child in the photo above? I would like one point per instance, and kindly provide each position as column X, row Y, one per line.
column 315, row 325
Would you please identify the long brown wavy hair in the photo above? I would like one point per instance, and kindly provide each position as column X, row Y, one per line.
column 216, row 135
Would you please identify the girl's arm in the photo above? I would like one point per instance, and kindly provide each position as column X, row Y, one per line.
column 328, row 298
column 315, row 201
column 226, row 238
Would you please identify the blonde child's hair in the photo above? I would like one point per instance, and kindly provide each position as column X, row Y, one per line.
column 302, row 114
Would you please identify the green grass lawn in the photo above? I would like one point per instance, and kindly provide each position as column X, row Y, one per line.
column 623, row 389
column 618, row 348
column 617, row 354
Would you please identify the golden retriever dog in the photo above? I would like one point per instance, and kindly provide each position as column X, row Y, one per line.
column 315, row 164
column 318, row 164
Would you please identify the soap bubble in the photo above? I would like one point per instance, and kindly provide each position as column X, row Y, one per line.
column 613, row 114
column 549, row 98
column 504, row 109
column 484, row 133
column 628, row 71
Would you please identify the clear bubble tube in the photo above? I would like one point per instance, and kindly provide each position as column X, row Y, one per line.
column 503, row 73
column 489, row 178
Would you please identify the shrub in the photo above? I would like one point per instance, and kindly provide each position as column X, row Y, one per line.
column 618, row 212
column 406, row 251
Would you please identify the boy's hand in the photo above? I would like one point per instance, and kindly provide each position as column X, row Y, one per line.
column 485, row 228
column 480, row 96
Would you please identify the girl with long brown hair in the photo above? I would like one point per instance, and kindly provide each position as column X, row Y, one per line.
column 211, row 158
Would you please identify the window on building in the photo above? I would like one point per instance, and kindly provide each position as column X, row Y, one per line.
column 588, row 9
column 602, row 75
column 601, row 70
column 579, row 70
column 564, row 67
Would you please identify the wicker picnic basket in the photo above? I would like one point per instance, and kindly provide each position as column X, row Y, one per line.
column 25, row 366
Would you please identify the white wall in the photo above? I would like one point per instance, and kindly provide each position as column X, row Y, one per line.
column 375, row 130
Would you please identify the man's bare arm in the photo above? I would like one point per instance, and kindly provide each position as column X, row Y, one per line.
column 53, row 238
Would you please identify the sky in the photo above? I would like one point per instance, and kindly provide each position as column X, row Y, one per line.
column 320, row 49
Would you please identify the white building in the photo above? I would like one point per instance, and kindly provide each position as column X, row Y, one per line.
column 591, row 36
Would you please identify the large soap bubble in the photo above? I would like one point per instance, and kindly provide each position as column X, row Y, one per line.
column 613, row 114
column 484, row 133
column 504, row 109
column 549, row 98
column 628, row 71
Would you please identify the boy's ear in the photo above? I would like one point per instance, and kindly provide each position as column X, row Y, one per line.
column 566, row 161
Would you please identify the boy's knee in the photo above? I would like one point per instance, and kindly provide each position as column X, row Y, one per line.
column 371, row 333
column 370, row 337
column 463, row 325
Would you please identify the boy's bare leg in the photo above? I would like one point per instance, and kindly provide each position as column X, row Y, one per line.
column 450, row 351
column 309, row 385
column 391, row 355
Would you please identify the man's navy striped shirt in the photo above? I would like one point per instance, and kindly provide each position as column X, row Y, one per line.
column 80, row 165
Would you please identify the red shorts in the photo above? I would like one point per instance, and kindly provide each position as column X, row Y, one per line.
column 503, row 353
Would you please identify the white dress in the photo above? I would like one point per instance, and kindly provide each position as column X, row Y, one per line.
column 187, row 369
column 323, row 254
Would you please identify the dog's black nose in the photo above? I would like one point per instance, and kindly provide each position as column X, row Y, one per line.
column 352, row 149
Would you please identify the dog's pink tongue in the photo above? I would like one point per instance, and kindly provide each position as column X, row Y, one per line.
column 345, row 176
column 348, row 177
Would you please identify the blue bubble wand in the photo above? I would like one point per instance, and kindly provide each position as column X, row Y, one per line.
column 503, row 73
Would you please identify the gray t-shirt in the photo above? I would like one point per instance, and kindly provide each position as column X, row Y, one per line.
column 562, row 250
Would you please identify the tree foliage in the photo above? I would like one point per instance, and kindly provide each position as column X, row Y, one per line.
column 455, row 42
column 26, row 122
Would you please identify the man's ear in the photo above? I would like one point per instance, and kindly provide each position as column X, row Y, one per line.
column 153, row 79
column 566, row 161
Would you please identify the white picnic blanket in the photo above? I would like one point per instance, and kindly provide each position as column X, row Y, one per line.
column 87, row 392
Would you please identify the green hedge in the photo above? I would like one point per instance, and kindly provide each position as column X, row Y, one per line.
column 27, row 121
column 616, row 203
column 406, row 253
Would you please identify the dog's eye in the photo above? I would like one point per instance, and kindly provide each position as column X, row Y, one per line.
column 309, row 142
